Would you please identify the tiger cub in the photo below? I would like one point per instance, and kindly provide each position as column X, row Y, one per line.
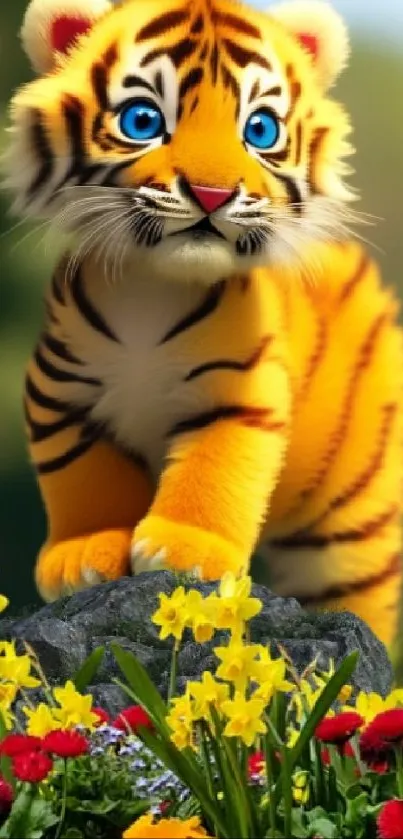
column 220, row 368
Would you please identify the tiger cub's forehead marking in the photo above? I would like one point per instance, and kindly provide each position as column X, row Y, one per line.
column 210, row 44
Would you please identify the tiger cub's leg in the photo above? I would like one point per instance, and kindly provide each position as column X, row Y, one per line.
column 94, row 496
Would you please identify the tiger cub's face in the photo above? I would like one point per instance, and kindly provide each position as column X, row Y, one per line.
column 195, row 139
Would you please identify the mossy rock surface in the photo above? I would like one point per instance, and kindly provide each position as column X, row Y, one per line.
column 65, row 632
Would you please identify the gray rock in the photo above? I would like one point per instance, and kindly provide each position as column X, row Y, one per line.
column 65, row 632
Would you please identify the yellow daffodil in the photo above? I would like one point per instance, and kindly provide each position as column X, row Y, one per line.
column 180, row 721
column 235, row 606
column 292, row 736
column 394, row 699
column 371, row 704
column 172, row 614
column 41, row 720
column 201, row 615
column 4, row 602
column 75, row 709
column 244, row 718
column 7, row 649
column 182, row 737
column 16, row 668
column 238, row 662
column 270, row 675
column 8, row 692
column 206, row 693
column 300, row 787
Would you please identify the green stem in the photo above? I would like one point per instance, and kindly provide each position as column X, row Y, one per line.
column 286, row 777
column 270, row 783
column 320, row 784
column 399, row 773
column 173, row 674
column 64, row 800
column 207, row 764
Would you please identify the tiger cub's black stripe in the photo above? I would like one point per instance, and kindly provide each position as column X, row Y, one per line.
column 43, row 149
column 162, row 24
column 59, row 349
column 319, row 541
column 293, row 192
column 393, row 569
column 242, row 56
column 192, row 78
column 42, row 400
column 58, row 375
column 100, row 76
column 178, row 53
column 239, row 25
column 250, row 416
column 63, row 460
column 207, row 307
column 228, row 364
column 87, row 308
column 41, row 431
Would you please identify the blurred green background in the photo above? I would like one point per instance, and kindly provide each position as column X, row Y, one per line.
column 372, row 89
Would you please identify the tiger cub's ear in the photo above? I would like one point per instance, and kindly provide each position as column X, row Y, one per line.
column 321, row 31
column 51, row 27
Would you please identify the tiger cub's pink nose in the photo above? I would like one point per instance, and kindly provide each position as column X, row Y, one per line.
column 210, row 198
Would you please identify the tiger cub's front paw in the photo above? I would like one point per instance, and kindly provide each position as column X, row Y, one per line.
column 82, row 562
column 161, row 543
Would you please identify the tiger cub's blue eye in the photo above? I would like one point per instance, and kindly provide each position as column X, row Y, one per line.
column 262, row 129
column 141, row 120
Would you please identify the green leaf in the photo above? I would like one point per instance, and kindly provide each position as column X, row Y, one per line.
column 298, row 826
column 324, row 828
column 141, row 687
column 30, row 816
column 187, row 768
column 325, row 701
column 99, row 808
column 88, row 670
column 316, row 813
column 357, row 810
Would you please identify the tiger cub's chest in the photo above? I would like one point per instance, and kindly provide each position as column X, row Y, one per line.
column 144, row 391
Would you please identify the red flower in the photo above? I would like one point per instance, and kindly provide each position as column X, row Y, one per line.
column 6, row 797
column 337, row 730
column 256, row 764
column 102, row 715
column 132, row 719
column 379, row 737
column 18, row 744
column 390, row 820
column 387, row 727
column 66, row 743
column 32, row 766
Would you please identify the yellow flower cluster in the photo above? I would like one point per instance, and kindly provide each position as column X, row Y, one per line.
column 246, row 678
column 66, row 709
column 72, row 709
column 15, row 675
column 230, row 609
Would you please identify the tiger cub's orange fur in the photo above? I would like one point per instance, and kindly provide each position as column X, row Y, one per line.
column 220, row 368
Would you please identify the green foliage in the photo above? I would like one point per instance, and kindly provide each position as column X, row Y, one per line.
column 88, row 670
